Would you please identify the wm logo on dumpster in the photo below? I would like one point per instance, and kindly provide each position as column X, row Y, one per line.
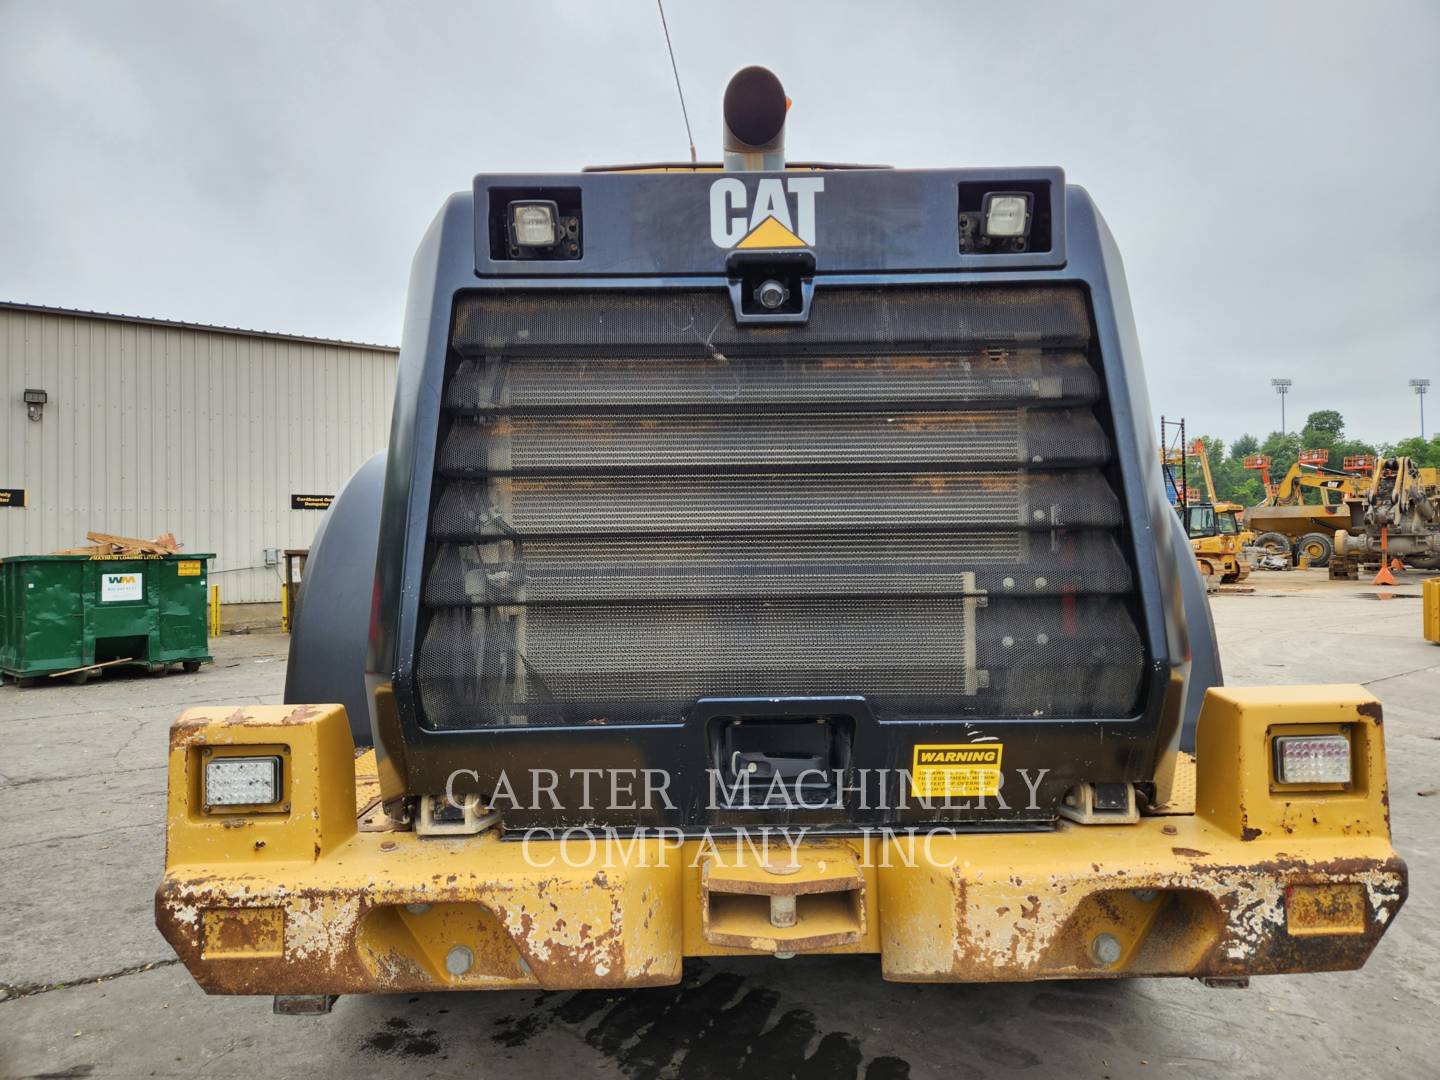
column 121, row 587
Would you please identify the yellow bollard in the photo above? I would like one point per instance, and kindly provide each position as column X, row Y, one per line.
column 284, row 607
column 1430, row 606
column 214, row 610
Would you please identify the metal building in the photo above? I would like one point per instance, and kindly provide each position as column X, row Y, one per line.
column 144, row 426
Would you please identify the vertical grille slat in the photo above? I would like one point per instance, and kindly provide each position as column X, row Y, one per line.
column 639, row 502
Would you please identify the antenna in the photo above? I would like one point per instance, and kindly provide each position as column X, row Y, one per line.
column 678, row 89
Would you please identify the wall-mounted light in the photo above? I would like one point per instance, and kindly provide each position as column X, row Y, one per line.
column 35, row 403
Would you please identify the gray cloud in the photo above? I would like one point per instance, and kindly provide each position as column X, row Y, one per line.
column 1268, row 168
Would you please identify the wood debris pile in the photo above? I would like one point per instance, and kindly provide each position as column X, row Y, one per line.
column 109, row 544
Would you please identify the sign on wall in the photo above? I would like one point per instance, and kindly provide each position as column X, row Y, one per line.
column 311, row 502
column 12, row 497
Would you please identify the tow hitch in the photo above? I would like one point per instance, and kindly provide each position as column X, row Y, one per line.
column 783, row 901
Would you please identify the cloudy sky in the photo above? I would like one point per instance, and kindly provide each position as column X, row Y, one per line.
column 1269, row 169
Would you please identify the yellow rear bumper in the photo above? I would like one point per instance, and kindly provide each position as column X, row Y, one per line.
column 306, row 902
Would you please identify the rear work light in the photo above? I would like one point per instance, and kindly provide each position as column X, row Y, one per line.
column 1312, row 759
column 533, row 224
column 1006, row 215
column 242, row 781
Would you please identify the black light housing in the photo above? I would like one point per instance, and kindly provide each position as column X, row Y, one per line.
column 35, row 403
column 537, row 223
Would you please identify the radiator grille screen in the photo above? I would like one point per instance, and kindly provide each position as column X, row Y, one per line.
column 639, row 502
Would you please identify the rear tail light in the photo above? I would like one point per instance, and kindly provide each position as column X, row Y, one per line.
column 1312, row 759
column 242, row 781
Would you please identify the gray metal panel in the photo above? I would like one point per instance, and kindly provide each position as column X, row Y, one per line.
column 156, row 427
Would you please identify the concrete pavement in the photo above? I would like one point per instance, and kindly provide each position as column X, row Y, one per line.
column 88, row 988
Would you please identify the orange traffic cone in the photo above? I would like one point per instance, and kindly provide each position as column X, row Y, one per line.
column 1385, row 577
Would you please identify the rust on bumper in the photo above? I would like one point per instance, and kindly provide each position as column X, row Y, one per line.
column 386, row 912
column 1252, row 881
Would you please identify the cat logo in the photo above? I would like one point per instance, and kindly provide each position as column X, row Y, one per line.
column 766, row 222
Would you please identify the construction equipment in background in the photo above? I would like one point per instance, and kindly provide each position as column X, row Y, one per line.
column 1396, row 518
column 1213, row 526
column 1285, row 523
column 772, row 520
column 1217, row 540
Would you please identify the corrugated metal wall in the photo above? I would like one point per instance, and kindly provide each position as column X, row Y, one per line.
column 203, row 433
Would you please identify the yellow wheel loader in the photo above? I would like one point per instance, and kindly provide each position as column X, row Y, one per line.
column 770, row 559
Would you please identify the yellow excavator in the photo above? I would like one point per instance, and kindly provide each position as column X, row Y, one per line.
column 1286, row 524
column 1214, row 528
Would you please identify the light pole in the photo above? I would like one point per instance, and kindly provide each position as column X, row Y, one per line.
column 1282, row 387
column 1420, row 386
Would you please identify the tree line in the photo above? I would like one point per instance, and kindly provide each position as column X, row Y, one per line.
column 1323, row 430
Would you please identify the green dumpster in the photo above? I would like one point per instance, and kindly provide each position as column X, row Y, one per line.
column 59, row 613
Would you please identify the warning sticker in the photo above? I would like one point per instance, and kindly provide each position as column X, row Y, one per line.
column 956, row 770
column 188, row 568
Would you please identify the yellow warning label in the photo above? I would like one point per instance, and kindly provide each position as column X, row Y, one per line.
column 956, row 770
column 188, row 568
column 770, row 234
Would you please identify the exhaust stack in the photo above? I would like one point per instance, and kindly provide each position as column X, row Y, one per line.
column 755, row 107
